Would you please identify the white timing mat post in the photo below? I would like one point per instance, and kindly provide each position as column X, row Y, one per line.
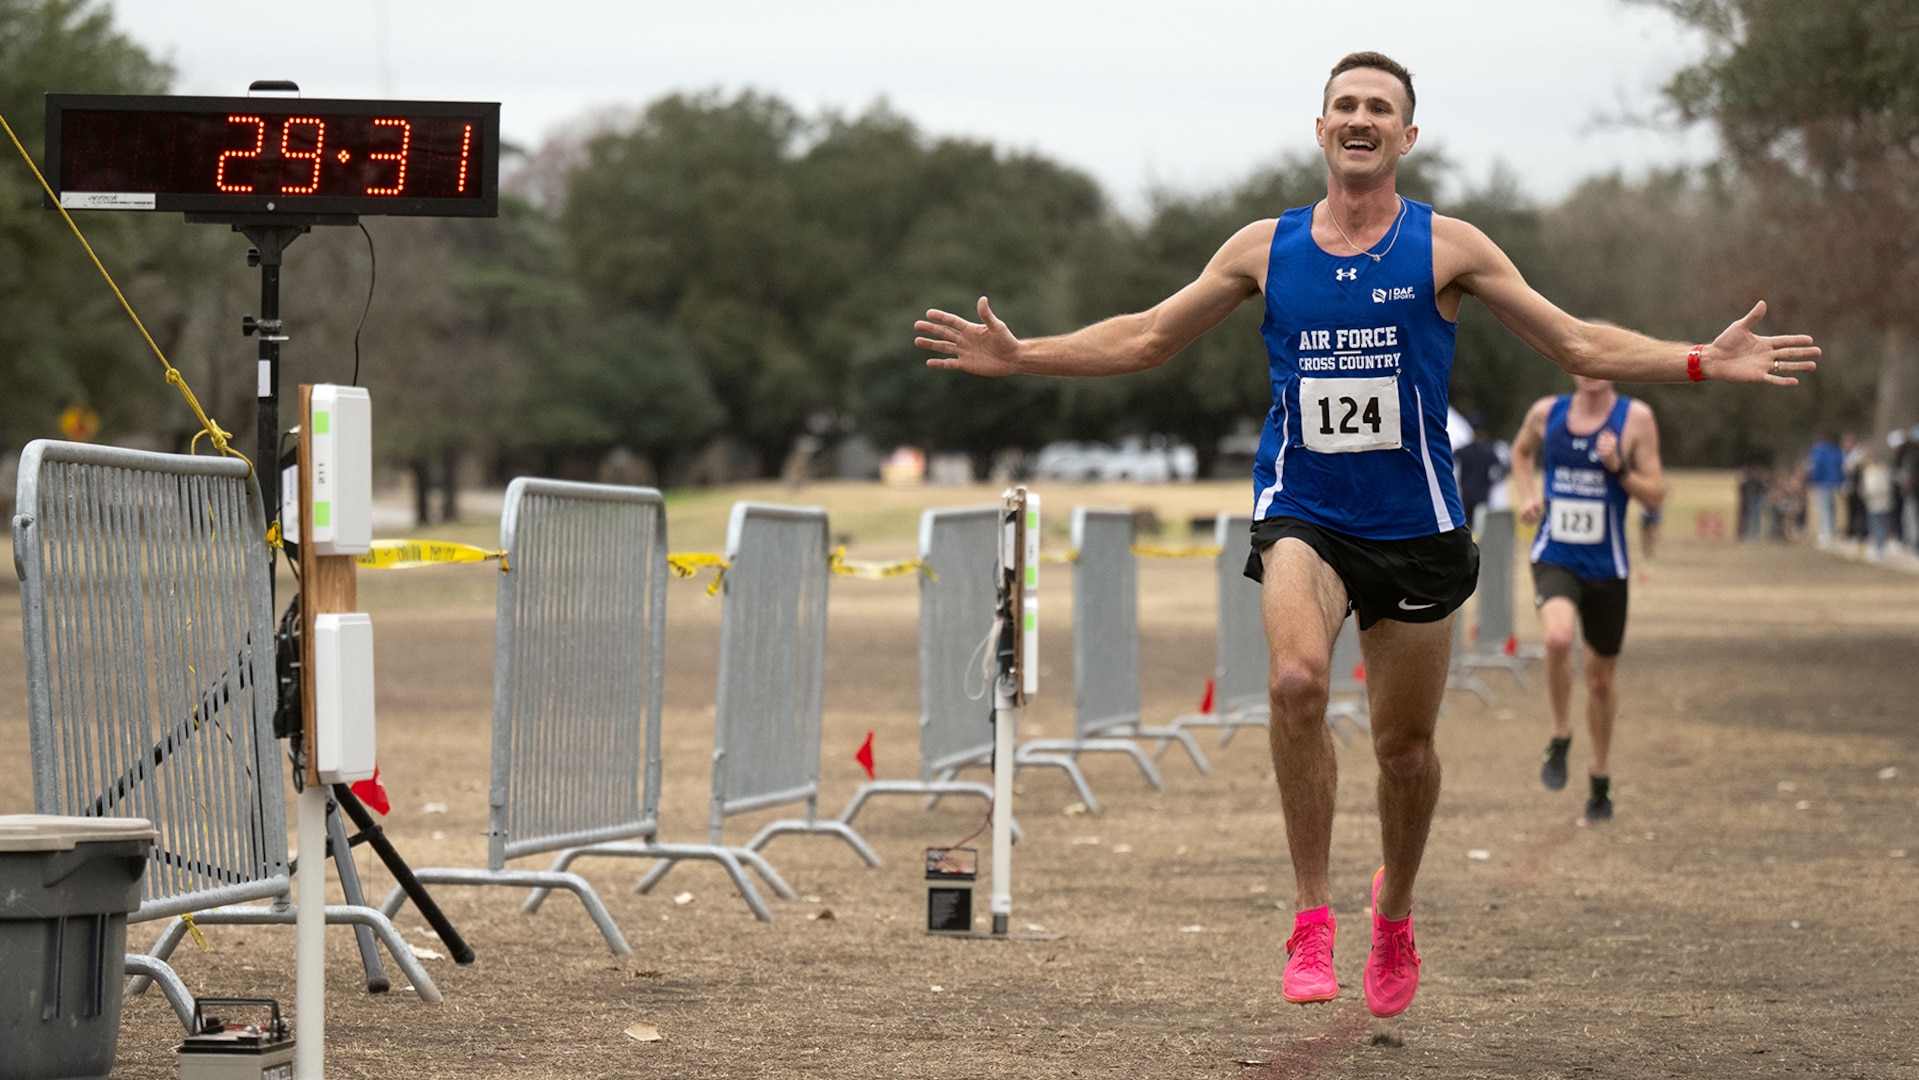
column 1018, row 661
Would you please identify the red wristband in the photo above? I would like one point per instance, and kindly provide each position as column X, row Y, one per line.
column 1692, row 364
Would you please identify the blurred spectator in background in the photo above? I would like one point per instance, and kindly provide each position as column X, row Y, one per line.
column 1895, row 444
column 1825, row 475
column 1905, row 479
column 1755, row 479
column 1875, row 491
column 1855, row 452
column 1482, row 465
column 1786, row 504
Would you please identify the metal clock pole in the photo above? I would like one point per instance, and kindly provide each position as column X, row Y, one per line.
column 270, row 239
column 269, row 242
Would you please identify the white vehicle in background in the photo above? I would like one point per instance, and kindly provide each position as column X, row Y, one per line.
column 1149, row 460
column 1069, row 462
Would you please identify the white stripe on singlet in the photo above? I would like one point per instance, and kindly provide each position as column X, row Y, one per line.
column 1444, row 520
column 1279, row 463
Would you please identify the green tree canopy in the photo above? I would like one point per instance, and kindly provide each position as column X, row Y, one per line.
column 63, row 340
column 1819, row 108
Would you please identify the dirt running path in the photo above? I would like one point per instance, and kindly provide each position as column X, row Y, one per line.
column 1750, row 913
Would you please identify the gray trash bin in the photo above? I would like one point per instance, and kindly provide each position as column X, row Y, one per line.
column 66, row 886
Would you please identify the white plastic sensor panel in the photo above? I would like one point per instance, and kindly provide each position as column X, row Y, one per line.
column 1029, row 664
column 343, row 697
column 342, row 470
column 290, row 503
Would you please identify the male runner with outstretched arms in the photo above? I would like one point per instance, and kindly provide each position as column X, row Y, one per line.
column 1598, row 451
column 1356, row 508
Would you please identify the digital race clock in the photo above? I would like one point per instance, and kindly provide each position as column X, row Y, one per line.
column 261, row 157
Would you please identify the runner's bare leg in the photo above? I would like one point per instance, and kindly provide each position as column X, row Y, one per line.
column 1602, row 703
column 1405, row 678
column 1303, row 603
column 1556, row 618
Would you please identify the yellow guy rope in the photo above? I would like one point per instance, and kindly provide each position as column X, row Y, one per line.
column 217, row 434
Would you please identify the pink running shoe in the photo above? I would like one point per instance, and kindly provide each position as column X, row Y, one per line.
column 1392, row 968
column 1309, row 958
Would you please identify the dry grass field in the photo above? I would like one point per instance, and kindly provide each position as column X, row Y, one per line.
column 1750, row 912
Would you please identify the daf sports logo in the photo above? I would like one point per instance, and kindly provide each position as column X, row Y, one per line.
column 1397, row 292
column 1346, row 273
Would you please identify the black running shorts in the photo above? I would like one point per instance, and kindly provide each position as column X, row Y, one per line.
column 1420, row 580
column 1601, row 603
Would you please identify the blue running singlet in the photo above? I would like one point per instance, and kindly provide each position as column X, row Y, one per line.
column 1584, row 527
column 1361, row 358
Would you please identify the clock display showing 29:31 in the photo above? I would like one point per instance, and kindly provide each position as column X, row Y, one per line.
column 273, row 155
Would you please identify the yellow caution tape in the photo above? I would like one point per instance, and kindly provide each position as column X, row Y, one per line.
column 876, row 571
column 1206, row 551
column 687, row 564
column 408, row 554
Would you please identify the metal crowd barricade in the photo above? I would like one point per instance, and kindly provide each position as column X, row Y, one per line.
column 766, row 739
column 1346, row 698
column 147, row 615
column 1106, row 649
column 577, row 667
column 1459, row 675
column 1496, row 603
column 960, row 549
column 1239, row 677
column 1241, row 664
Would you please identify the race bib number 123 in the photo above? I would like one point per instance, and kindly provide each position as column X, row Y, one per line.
column 1578, row 521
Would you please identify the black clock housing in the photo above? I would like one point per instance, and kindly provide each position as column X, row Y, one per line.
column 260, row 158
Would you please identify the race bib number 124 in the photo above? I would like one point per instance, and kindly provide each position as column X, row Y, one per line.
column 1344, row 416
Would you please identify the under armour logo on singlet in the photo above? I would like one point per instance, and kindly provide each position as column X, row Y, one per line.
column 1346, row 273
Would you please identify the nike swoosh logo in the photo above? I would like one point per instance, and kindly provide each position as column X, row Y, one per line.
column 1404, row 606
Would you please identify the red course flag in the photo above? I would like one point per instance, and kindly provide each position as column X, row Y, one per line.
column 1512, row 645
column 372, row 792
column 1206, row 703
column 865, row 757
column 1359, row 671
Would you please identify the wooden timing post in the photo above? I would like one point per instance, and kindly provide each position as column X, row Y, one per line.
column 329, row 584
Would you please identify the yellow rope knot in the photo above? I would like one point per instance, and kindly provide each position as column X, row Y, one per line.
column 193, row 928
column 687, row 564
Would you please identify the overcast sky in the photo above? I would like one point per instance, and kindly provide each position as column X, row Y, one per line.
column 1184, row 94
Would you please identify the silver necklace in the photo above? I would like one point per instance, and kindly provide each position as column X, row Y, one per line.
column 1397, row 222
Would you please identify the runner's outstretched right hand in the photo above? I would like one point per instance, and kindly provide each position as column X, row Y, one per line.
column 986, row 347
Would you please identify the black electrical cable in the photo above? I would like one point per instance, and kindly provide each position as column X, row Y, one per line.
column 372, row 275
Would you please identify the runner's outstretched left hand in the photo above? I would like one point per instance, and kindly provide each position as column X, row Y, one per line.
column 1739, row 355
